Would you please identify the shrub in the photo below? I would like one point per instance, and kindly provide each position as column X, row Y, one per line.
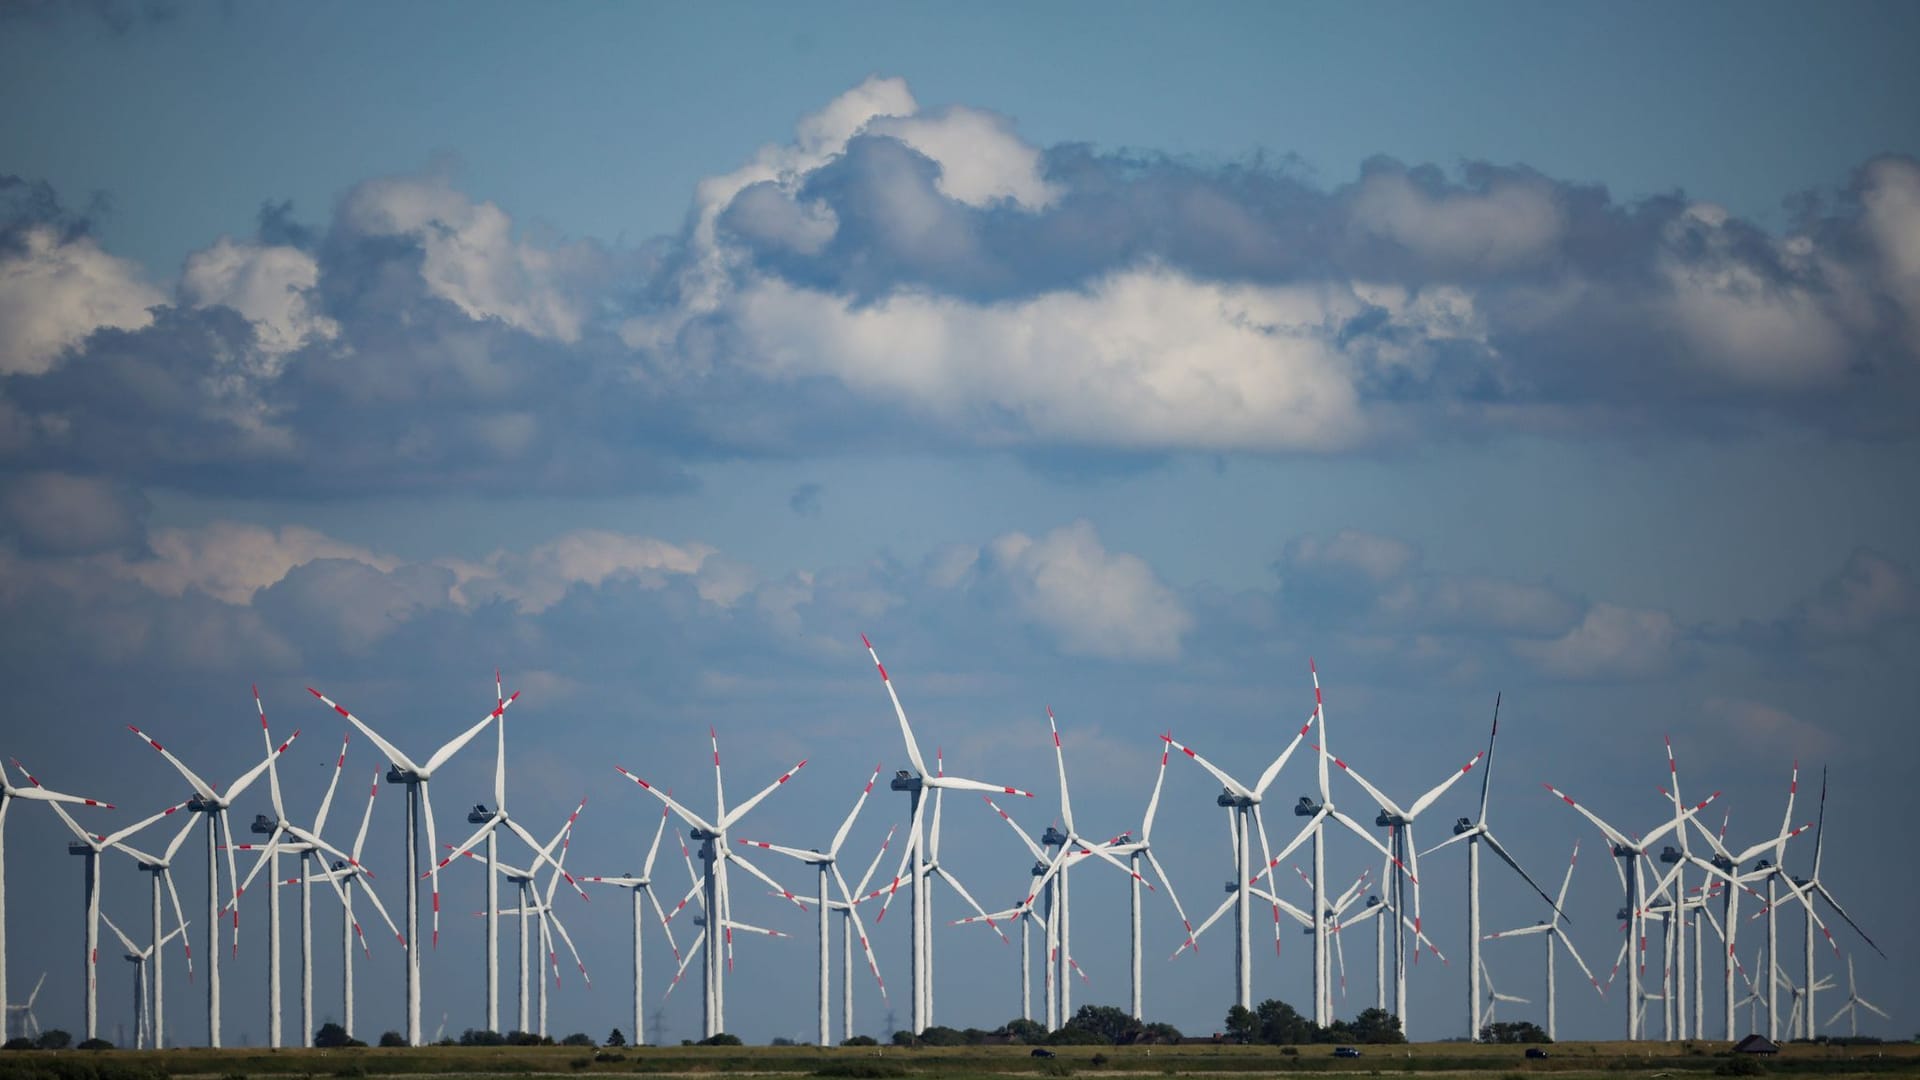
column 904, row 1038
column 721, row 1039
column 53, row 1039
column 861, row 1040
column 95, row 1044
column 482, row 1037
column 1097, row 1060
column 615, row 1038
column 579, row 1063
column 18, row 1042
column 1740, row 1065
column 330, row 1034
column 392, row 1038
column 578, row 1038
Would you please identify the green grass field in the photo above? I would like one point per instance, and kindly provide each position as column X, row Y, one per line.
column 1569, row 1061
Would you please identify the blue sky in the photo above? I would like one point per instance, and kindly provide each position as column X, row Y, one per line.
column 1117, row 358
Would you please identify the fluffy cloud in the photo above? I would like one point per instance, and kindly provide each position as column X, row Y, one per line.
column 1610, row 643
column 56, row 290
column 61, row 514
column 1869, row 593
column 1097, row 603
column 270, row 284
column 230, row 561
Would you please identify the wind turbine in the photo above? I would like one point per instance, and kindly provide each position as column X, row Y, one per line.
column 641, row 886
column 542, row 908
column 33, row 792
column 403, row 770
column 1134, row 851
column 343, row 876
column 215, row 804
column 1243, row 804
column 1551, row 928
column 145, row 1022
column 160, row 866
column 1630, row 853
column 1494, row 998
column 1473, row 831
column 1851, row 1009
column 715, row 852
column 530, row 904
column 920, row 910
column 490, row 823
column 279, row 829
column 825, row 863
column 90, row 846
column 1805, row 889
column 29, row 1022
column 1399, row 823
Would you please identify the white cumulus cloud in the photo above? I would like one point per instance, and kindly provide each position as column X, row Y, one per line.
column 56, row 290
column 270, row 284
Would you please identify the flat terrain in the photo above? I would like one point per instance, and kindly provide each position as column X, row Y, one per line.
column 1569, row 1061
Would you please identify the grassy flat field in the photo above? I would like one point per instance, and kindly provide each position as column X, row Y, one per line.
column 1569, row 1061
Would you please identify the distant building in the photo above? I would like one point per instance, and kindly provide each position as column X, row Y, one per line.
column 1756, row 1044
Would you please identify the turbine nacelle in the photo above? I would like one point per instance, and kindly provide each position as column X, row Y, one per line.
column 398, row 775
column 1306, row 807
column 1053, row 838
column 478, row 815
column 1671, row 854
column 1231, row 801
column 1388, row 821
column 1462, row 825
column 264, row 825
column 905, row 780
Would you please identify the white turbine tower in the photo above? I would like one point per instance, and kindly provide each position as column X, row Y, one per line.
column 1805, row 889
column 920, row 910
column 1474, row 831
column 1551, row 928
column 343, row 876
column 641, row 886
column 1630, row 853
column 1851, row 1010
column 1243, row 806
column 90, row 846
column 404, row 770
column 1135, row 850
column 490, row 823
column 283, row 835
column 215, row 804
column 531, row 905
column 33, row 792
column 145, row 1019
column 1398, row 822
column 715, row 852
column 825, row 862
column 161, row 867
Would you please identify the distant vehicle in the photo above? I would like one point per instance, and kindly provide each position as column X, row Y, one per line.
column 1346, row 1051
column 1536, row 1052
column 1041, row 1051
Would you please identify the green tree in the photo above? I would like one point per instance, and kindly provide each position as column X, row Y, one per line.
column 1242, row 1025
column 941, row 1035
column 330, row 1035
column 1377, row 1026
column 860, row 1040
column 392, row 1038
column 1518, row 1031
column 615, row 1038
column 578, row 1038
column 1109, row 1023
column 1280, row 1024
column 53, row 1039
column 1027, row 1031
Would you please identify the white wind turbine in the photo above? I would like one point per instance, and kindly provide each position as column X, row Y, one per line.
column 1851, row 1010
column 1135, row 850
column 1798, row 1020
column 1474, row 831
column 1494, row 998
column 1629, row 854
column 343, row 876
column 531, row 905
column 160, row 866
column 641, row 886
column 1551, row 928
column 850, row 928
column 1805, row 889
column 920, row 911
column 825, row 863
column 215, row 804
column 284, row 836
column 404, row 770
column 33, row 792
column 490, row 823
column 541, row 907
column 1063, row 920
column 91, row 846
column 1398, row 822
column 1243, row 805
column 715, row 853
column 28, row 1022
column 1725, row 864
column 146, row 1030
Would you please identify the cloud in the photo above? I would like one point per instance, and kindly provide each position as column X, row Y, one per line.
column 1764, row 731
column 270, row 284
column 58, row 513
column 1867, row 594
column 1378, row 583
column 230, row 561
column 57, row 285
column 1096, row 603
column 1610, row 643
